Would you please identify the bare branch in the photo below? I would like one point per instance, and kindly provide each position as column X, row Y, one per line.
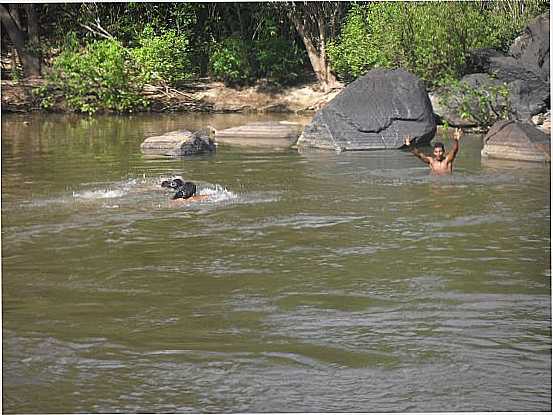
column 98, row 30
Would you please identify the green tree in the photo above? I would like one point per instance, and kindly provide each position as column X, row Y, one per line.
column 163, row 58
column 431, row 39
column 230, row 60
column 317, row 25
column 101, row 76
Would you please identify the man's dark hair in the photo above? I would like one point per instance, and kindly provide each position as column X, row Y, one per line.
column 185, row 191
column 172, row 184
column 439, row 144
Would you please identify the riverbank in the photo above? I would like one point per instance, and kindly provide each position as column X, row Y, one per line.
column 197, row 96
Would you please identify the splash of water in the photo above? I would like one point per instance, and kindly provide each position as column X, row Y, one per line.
column 99, row 194
column 217, row 193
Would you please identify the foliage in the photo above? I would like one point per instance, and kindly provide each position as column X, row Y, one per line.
column 99, row 77
column 507, row 18
column 239, row 42
column 431, row 39
column 278, row 59
column 163, row 17
column 163, row 58
column 366, row 41
column 485, row 104
column 229, row 60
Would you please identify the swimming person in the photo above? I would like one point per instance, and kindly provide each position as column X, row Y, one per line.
column 439, row 162
column 185, row 191
column 172, row 184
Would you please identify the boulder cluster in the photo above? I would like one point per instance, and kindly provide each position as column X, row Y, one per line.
column 497, row 85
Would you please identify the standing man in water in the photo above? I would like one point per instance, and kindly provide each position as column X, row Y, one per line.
column 439, row 162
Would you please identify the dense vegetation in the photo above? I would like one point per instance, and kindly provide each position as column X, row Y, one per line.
column 99, row 56
column 431, row 40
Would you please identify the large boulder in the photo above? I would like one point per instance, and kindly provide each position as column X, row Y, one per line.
column 532, row 47
column 528, row 91
column 514, row 140
column 180, row 143
column 372, row 113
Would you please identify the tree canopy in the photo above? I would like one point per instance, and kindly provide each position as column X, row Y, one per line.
column 239, row 43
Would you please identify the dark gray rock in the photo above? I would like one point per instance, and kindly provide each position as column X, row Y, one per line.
column 532, row 47
column 515, row 140
column 180, row 143
column 529, row 92
column 527, row 100
column 201, row 142
column 478, row 60
column 525, row 72
column 464, row 109
column 374, row 112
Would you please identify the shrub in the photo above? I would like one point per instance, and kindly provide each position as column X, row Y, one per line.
column 163, row 58
column 485, row 104
column 229, row 60
column 431, row 39
column 101, row 76
column 366, row 40
column 278, row 59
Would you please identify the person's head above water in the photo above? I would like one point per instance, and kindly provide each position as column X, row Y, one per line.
column 439, row 151
column 172, row 184
column 185, row 191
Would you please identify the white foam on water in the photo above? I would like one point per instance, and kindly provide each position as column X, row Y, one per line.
column 217, row 193
column 100, row 194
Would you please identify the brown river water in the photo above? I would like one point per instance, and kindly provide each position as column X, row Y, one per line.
column 305, row 282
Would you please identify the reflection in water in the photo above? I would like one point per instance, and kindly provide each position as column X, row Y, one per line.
column 305, row 282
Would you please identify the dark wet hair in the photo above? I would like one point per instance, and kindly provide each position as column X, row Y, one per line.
column 439, row 144
column 172, row 184
column 185, row 191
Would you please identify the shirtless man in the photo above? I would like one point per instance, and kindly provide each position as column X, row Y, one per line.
column 439, row 162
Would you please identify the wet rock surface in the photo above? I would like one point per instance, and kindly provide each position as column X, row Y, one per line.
column 180, row 143
column 374, row 112
column 515, row 140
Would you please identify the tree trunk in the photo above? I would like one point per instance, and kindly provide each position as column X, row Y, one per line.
column 30, row 62
column 330, row 80
column 32, row 24
column 317, row 56
column 16, row 16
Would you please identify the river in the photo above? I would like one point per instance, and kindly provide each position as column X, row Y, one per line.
column 305, row 282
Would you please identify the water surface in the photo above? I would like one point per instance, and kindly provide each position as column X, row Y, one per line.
column 306, row 282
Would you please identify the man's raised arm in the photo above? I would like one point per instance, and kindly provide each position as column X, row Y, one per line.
column 455, row 149
column 416, row 151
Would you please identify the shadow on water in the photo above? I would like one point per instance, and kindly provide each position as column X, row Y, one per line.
column 305, row 282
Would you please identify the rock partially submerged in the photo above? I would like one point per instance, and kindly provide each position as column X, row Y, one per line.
column 261, row 134
column 374, row 112
column 514, row 140
column 180, row 143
